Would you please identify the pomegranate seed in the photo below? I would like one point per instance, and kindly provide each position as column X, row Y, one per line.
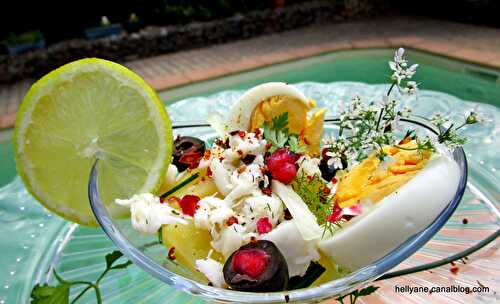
column 282, row 165
column 191, row 158
column 252, row 262
column 189, row 204
column 264, row 225
column 232, row 220
column 286, row 174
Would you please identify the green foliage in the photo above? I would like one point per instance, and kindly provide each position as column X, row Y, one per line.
column 313, row 191
column 278, row 135
column 59, row 293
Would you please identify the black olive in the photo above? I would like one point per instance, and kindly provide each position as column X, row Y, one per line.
column 328, row 172
column 258, row 266
column 183, row 145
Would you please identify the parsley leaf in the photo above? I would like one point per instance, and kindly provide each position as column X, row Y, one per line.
column 277, row 133
column 45, row 294
column 59, row 293
column 295, row 147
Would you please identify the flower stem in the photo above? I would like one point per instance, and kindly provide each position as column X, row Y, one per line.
column 390, row 89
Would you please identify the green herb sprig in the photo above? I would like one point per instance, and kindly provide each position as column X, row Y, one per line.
column 277, row 133
column 59, row 293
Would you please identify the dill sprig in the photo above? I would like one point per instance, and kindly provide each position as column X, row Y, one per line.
column 317, row 196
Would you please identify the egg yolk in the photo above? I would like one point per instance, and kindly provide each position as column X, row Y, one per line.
column 309, row 129
column 371, row 181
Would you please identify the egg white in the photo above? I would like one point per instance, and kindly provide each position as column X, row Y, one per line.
column 241, row 113
column 411, row 208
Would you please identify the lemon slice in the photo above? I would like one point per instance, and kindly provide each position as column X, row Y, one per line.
column 86, row 110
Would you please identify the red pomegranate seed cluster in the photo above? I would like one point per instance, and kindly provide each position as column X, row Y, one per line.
column 251, row 262
column 282, row 165
column 264, row 225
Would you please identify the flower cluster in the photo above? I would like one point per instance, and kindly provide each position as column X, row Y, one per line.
column 448, row 131
column 403, row 72
column 365, row 128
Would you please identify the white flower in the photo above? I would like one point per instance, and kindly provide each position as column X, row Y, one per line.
column 438, row 119
column 336, row 162
column 398, row 56
column 385, row 101
column 405, row 112
column 400, row 68
column 411, row 88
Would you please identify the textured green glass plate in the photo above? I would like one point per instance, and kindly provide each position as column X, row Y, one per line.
column 32, row 240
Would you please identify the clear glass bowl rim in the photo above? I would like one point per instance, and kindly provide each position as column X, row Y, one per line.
column 344, row 285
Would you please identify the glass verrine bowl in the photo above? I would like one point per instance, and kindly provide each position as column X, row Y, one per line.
column 149, row 254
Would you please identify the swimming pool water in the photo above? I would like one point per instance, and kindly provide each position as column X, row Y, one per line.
column 464, row 80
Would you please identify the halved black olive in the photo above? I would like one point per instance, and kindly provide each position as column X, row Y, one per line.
column 328, row 172
column 258, row 266
column 184, row 145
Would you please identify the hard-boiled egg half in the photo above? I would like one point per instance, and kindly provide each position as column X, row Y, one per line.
column 396, row 217
column 268, row 100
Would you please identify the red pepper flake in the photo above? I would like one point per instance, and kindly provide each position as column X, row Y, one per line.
column 465, row 221
column 206, row 154
column 258, row 132
column 209, row 172
column 191, row 158
column 162, row 200
column 240, row 153
column 264, row 225
column 253, row 239
column 268, row 145
column 189, row 204
column 267, row 191
column 242, row 134
column 221, row 158
column 334, row 180
column 232, row 220
column 326, row 190
column 454, row 269
column 171, row 253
